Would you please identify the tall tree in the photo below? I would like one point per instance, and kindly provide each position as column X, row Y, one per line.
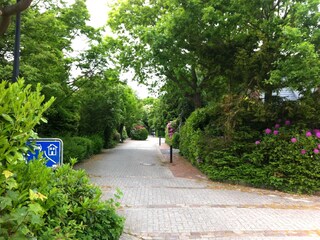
column 7, row 11
column 205, row 48
column 48, row 30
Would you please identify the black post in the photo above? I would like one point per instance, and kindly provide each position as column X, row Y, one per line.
column 159, row 140
column 17, row 47
column 170, row 153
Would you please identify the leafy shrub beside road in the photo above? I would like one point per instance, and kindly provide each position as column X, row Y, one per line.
column 61, row 204
column 37, row 202
column 77, row 147
column 139, row 132
column 284, row 157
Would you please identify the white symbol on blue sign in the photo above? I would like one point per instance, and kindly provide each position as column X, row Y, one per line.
column 49, row 148
column 52, row 150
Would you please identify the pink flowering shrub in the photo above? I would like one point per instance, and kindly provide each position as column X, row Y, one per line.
column 291, row 158
column 139, row 132
column 172, row 134
column 254, row 148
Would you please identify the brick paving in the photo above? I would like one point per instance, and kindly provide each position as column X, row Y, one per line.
column 175, row 201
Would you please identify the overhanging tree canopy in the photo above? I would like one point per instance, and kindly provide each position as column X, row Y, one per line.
column 201, row 47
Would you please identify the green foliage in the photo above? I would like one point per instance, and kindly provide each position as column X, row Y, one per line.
column 77, row 147
column 124, row 134
column 192, row 136
column 38, row 202
column 20, row 111
column 291, row 159
column 116, row 137
column 98, row 143
column 274, row 161
column 46, row 58
column 139, row 132
column 81, row 148
column 176, row 140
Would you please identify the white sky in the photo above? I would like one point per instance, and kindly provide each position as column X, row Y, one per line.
column 98, row 10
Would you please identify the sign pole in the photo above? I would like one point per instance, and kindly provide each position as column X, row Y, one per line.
column 16, row 63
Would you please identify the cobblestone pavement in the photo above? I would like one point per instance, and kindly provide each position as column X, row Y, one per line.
column 174, row 201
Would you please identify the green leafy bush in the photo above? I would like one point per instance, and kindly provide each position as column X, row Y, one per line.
column 124, row 134
column 111, row 137
column 116, row 137
column 77, row 147
column 171, row 134
column 284, row 158
column 37, row 202
column 62, row 204
column 21, row 110
column 291, row 158
column 176, row 140
column 97, row 143
column 139, row 132
column 192, row 137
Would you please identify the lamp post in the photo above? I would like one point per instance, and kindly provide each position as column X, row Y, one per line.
column 16, row 61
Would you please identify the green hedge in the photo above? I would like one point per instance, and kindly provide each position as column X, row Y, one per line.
column 77, row 147
column 81, row 147
column 267, row 160
column 98, row 143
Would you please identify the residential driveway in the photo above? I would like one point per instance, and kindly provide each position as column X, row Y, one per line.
column 174, row 201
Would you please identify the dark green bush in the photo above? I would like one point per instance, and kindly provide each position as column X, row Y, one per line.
column 98, row 143
column 116, row 136
column 139, row 133
column 192, row 138
column 77, row 147
column 124, row 134
column 111, row 138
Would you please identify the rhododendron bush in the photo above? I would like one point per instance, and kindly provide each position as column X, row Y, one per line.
column 255, row 147
column 290, row 157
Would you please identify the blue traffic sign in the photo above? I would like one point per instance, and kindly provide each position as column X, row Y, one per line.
column 50, row 148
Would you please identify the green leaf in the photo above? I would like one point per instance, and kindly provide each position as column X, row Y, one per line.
column 44, row 120
column 20, row 214
column 36, row 220
column 11, row 183
column 7, row 118
column 36, row 208
column 5, row 202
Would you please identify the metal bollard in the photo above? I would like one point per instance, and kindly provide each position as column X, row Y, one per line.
column 170, row 154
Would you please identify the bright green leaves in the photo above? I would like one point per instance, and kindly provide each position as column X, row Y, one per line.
column 36, row 195
column 20, row 111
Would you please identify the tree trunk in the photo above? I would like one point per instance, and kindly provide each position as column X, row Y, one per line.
column 7, row 11
column 268, row 96
column 196, row 99
column 120, row 129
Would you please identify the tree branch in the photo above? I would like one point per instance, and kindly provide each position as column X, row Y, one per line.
column 7, row 11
